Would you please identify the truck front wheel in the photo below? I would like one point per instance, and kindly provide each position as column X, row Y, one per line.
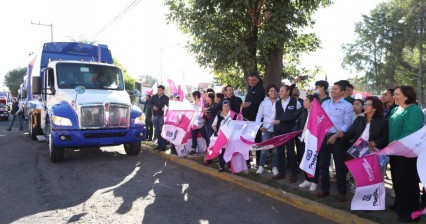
column 133, row 148
column 34, row 131
column 56, row 153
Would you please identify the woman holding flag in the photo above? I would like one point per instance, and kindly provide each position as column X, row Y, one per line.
column 220, row 120
column 372, row 127
column 311, row 182
column 404, row 120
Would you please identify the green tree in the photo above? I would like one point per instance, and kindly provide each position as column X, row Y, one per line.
column 129, row 81
column 388, row 46
column 14, row 78
column 235, row 38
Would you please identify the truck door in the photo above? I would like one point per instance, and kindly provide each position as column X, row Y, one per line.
column 48, row 94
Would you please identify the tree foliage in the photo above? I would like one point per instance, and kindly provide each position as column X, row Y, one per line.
column 151, row 80
column 129, row 81
column 14, row 78
column 235, row 38
column 385, row 52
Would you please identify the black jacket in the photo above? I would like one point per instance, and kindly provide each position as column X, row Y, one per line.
column 159, row 102
column 302, row 119
column 235, row 103
column 379, row 130
column 148, row 109
column 288, row 118
column 255, row 96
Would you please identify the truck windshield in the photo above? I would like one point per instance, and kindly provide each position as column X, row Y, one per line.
column 70, row 75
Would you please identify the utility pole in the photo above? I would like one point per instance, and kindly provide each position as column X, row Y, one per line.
column 51, row 28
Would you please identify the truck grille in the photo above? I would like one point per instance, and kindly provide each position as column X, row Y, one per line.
column 98, row 116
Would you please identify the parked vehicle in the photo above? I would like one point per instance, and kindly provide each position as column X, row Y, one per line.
column 75, row 97
column 4, row 112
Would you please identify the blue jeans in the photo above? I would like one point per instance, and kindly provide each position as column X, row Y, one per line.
column 13, row 120
column 264, row 153
column 158, row 122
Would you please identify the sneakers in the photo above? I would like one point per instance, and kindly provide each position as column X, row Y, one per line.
column 8, row 129
column 305, row 183
column 260, row 170
column 275, row 171
column 313, row 187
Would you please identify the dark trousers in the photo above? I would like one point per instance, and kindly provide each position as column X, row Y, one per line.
column 221, row 159
column 310, row 179
column 195, row 135
column 300, row 149
column 406, row 185
column 209, row 133
column 291, row 157
column 338, row 149
column 149, row 128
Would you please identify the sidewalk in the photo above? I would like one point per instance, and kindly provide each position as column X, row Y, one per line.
column 291, row 194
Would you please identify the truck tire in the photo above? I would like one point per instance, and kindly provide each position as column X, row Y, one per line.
column 133, row 148
column 56, row 153
column 34, row 131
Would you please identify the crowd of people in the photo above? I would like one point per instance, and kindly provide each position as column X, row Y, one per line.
column 378, row 121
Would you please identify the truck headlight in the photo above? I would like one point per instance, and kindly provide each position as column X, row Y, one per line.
column 61, row 121
column 140, row 120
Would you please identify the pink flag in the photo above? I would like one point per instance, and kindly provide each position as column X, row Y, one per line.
column 173, row 88
column 176, row 125
column 153, row 89
column 186, row 146
column 216, row 144
column 244, row 132
column 421, row 170
column 411, row 146
column 370, row 188
column 275, row 141
column 318, row 125
column 181, row 94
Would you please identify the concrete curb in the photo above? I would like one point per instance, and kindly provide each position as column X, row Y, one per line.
column 314, row 207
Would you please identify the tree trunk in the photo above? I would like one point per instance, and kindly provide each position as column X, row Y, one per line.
column 274, row 70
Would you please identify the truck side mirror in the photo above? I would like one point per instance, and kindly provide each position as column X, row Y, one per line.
column 36, row 85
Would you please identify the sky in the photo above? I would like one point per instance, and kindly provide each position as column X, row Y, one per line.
column 141, row 39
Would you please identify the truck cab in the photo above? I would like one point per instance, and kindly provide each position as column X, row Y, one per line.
column 81, row 103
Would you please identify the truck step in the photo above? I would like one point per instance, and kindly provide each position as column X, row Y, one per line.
column 41, row 138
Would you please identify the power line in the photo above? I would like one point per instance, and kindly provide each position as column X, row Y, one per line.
column 116, row 18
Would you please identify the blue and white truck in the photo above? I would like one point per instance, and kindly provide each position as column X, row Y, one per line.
column 75, row 97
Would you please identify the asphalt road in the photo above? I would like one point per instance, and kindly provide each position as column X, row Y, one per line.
column 103, row 185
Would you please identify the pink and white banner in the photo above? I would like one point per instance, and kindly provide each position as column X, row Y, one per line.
column 220, row 142
column 370, row 188
column 275, row 141
column 186, row 147
column 318, row 125
column 411, row 146
column 177, row 125
column 241, row 139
